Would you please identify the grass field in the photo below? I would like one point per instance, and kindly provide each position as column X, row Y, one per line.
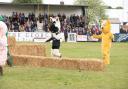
column 115, row 75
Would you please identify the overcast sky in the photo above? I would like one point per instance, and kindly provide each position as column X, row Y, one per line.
column 113, row 3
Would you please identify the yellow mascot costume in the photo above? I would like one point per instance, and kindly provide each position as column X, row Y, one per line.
column 106, row 37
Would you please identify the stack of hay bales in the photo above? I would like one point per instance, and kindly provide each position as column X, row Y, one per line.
column 30, row 54
column 25, row 50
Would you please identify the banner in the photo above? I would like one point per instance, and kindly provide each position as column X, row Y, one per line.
column 81, row 37
column 32, row 36
column 72, row 37
column 121, row 37
column 42, row 36
column 89, row 38
column 28, row 36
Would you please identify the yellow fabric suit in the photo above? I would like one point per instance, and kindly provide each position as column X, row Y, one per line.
column 106, row 37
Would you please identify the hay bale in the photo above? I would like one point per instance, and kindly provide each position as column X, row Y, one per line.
column 49, row 62
column 65, row 63
column 70, row 63
column 16, row 48
column 34, row 61
column 91, row 64
column 57, row 63
column 11, row 44
column 11, row 41
column 30, row 49
column 20, row 60
column 27, row 60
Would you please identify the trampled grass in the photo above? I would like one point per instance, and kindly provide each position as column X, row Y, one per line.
column 115, row 75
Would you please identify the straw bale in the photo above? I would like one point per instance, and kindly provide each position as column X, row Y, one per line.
column 69, row 64
column 74, row 63
column 63, row 63
column 11, row 41
column 95, row 65
column 49, row 62
column 59, row 63
column 11, row 44
column 30, row 49
column 34, row 61
column 20, row 60
column 27, row 60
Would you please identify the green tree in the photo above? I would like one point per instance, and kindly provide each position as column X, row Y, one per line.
column 27, row 1
column 119, row 7
column 95, row 10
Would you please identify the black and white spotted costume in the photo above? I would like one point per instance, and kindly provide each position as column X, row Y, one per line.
column 55, row 37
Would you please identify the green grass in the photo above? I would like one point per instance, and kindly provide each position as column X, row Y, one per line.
column 115, row 76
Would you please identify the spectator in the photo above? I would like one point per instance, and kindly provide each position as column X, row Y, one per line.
column 40, row 25
column 66, row 34
column 16, row 26
column 33, row 25
column 18, row 21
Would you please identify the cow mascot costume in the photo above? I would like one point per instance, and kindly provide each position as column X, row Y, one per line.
column 3, row 44
column 55, row 37
column 106, row 37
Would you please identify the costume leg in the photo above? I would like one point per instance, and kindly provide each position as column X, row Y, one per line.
column 9, row 60
column 1, row 70
column 106, row 55
column 56, row 53
column 52, row 50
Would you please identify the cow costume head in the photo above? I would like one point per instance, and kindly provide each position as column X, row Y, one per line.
column 54, row 25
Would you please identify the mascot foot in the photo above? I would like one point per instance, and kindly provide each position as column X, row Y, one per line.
column 57, row 56
column 60, row 56
column 106, row 62
column 1, row 70
column 9, row 63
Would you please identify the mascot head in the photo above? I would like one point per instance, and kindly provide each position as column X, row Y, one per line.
column 55, row 24
column 106, row 26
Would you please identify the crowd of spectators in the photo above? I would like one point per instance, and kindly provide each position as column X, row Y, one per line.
column 19, row 22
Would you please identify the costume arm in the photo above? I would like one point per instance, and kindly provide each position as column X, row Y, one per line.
column 97, row 36
column 48, row 40
column 112, row 36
